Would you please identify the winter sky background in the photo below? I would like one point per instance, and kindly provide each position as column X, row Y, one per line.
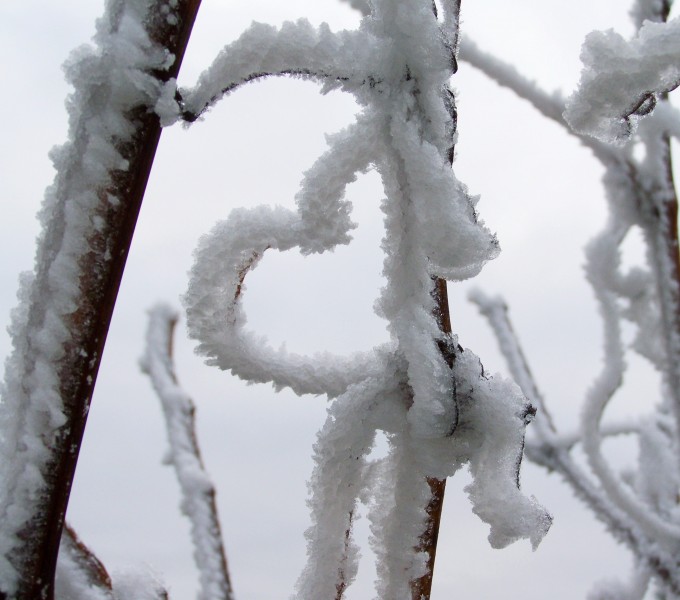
column 540, row 192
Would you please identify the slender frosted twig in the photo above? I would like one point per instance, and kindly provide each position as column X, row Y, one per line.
column 80, row 574
column 551, row 452
column 198, row 493
column 506, row 75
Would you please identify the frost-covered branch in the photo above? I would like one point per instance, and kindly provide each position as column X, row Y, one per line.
column 297, row 49
column 198, row 492
column 421, row 386
column 80, row 575
column 622, row 80
column 507, row 75
column 551, row 450
column 59, row 328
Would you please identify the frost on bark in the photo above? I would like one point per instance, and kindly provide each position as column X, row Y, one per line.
column 65, row 306
column 432, row 398
column 428, row 394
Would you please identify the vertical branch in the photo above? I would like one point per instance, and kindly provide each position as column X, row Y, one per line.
column 422, row 588
column 342, row 583
column 95, row 269
column 668, row 275
column 198, row 492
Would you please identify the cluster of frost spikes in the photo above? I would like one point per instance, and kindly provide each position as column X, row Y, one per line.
column 110, row 78
column 397, row 64
column 638, row 506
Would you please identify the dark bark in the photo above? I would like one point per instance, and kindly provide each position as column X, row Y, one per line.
column 99, row 281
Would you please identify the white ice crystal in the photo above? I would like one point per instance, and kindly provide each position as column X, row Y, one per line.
column 622, row 80
column 397, row 64
column 110, row 78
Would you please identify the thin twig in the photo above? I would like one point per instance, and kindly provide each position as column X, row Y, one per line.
column 79, row 569
column 554, row 456
column 198, row 492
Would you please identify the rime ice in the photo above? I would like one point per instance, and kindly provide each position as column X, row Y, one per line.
column 622, row 80
column 619, row 108
column 110, row 78
column 397, row 65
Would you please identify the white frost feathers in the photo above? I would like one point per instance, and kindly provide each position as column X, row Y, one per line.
column 621, row 80
column 397, row 64
column 110, row 79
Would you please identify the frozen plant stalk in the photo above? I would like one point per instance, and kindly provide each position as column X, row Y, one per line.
column 419, row 387
column 621, row 105
column 60, row 325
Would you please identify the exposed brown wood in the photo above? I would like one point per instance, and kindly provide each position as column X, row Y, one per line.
column 91, row 567
column 99, row 281
column 421, row 588
column 208, row 493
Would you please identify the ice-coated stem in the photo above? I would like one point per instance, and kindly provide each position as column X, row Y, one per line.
column 80, row 574
column 552, row 452
column 662, row 236
column 71, row 298
column 422, row 587
column 198, row 492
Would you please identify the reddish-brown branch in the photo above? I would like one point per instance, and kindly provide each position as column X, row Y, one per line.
column 88, row 564
column 99, row 281
column 342, row 583
column 421, row 588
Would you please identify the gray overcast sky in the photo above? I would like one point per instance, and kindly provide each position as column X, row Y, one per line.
column 540, row 193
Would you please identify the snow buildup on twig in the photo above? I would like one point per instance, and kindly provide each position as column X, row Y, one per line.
column 110, row 78
column 138, row 583
column 198, row 492
column 622, row 80
column 397, row 64
column 79, row 574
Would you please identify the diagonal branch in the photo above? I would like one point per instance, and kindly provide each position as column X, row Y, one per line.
column 553, row 455
column 550, row 106
column 89, row 218
column 80, row 574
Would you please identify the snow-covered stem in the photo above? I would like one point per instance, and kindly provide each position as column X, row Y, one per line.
column 506, row 75
column 198, row 492
column 80, row 574
column 551, row 451
column 422, row 587
column 397, row 64
column 660, row 226
column 59, row 329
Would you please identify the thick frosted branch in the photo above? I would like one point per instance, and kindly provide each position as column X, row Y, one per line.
column 198, row 493
column 59, row 328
